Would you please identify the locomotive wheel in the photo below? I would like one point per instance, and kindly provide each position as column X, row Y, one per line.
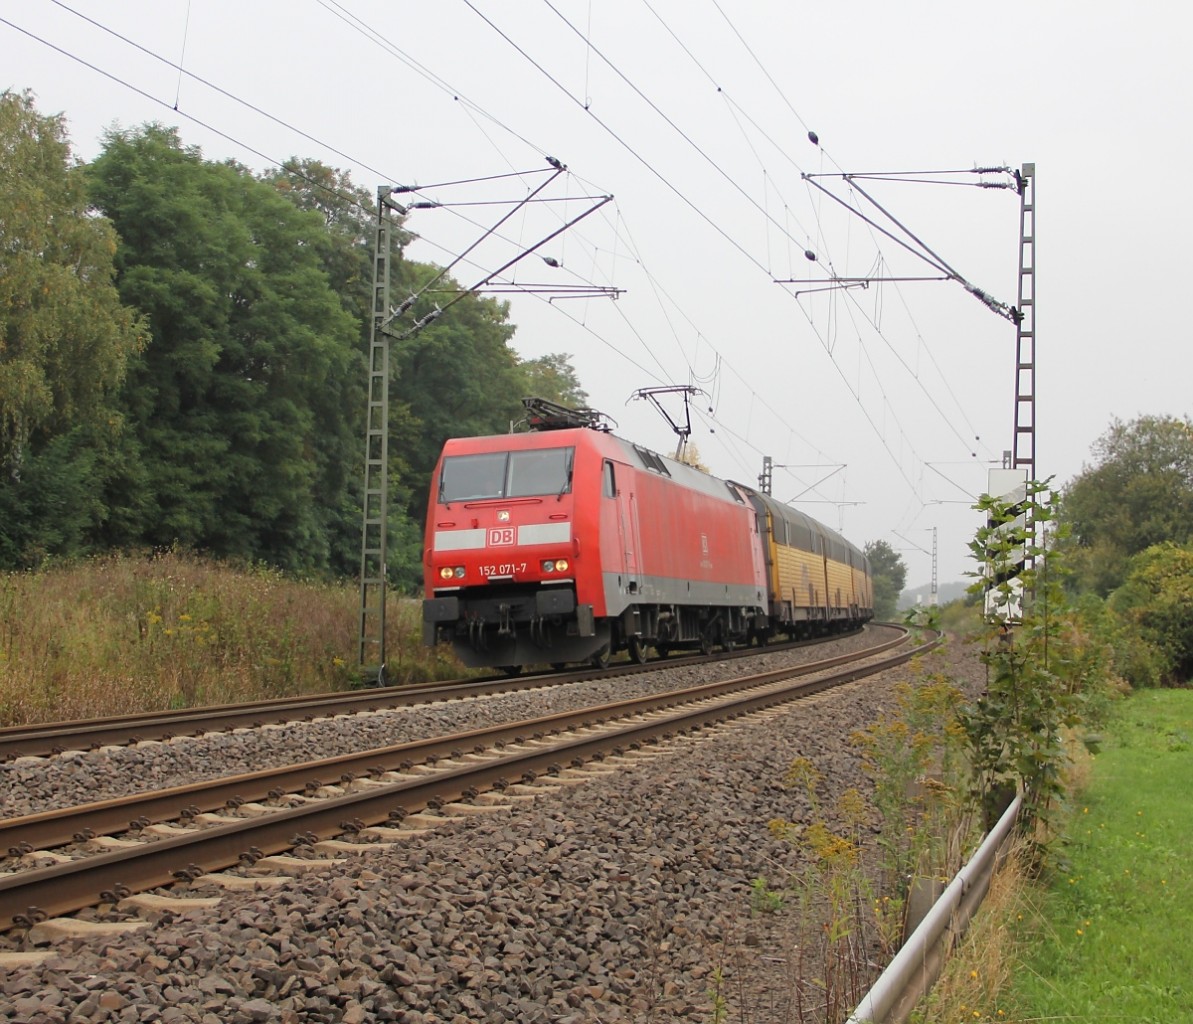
column 705, row 644
column 728, row 644
column 559, row 666
column 601, row 658
column 663, row 650
column 511, row 670
column 637, row 650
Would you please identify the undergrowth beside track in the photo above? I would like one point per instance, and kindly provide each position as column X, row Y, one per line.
column 1103, row 935
column 126, row 633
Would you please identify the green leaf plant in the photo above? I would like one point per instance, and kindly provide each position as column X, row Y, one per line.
column 1014, row 729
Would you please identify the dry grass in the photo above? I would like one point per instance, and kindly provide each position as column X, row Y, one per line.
column 977, row 981
column 124, row 633
column 977, row 984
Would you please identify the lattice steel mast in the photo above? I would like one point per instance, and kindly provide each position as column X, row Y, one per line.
column 1024, row 451
column 375, row 504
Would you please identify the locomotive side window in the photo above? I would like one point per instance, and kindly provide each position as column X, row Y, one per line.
column 548, row 471
column 608, row 480
column 472, row 477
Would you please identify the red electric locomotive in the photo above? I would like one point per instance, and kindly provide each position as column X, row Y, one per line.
column 567, row 543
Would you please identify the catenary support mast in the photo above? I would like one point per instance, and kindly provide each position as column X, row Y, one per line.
column 1024, row 452
column 376, row 488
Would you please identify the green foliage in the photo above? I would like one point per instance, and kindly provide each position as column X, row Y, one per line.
column 1015, row 728
column 554, row 378
column 455, row 377
column 831, row 895
column 236, row 405
column 889, row 575
column 922, row 618
column 188, row 368
column 349, row 218
column 54, row 508
column 962, row 617
column 719, row 1012
column 1155, row 602
column 65, row 338
column 764, row 900
column 914, row 755
column 1138, row 494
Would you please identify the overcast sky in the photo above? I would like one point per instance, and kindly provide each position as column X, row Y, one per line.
column 887, row 404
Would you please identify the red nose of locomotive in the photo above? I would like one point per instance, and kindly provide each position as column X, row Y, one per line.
column 502, row 553
column 525, row 541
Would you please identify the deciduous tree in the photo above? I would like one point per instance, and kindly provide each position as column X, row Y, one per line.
column 236, row 402
column 554, row 378
column 1138, row 493
column 1155, row 600
column 456, row 376
column 889, row 574
column 65, row 338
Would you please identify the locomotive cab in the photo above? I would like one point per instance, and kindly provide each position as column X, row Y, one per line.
column 503, row 557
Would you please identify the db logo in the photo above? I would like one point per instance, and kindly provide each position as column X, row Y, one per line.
column 501, row 536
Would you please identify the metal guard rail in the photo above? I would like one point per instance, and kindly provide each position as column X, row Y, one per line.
column 917, row 964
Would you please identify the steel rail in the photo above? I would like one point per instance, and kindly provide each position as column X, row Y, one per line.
column 44, row 739
column 71, row 885
column 48, row 829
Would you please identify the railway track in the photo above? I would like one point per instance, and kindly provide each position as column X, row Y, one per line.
column 376, row 795
column 45, row 740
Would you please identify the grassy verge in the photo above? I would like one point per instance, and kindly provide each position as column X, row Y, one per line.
column 1112, row 940
column 1106, row 935
column 122, row 634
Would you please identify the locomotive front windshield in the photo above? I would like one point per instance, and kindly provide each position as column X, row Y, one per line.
column 506, row 475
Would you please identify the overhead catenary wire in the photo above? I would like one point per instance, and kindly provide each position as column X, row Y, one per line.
column 670, row 185
column 670, row 122
column 781, row 150
column 947, row 272
column 358, row 25
column 614, row 135
column 271, row 160
column 650, row 277
column 924, row 252
column 444, row 271
column 289, row 127
column 559, row 85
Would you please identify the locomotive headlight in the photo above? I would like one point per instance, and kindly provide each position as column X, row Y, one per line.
column 451, row 572
column 459, row 572
column 561, row 565
column 549, row 565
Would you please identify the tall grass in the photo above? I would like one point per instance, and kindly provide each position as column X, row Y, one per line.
column 1101, row 935
column 125, row 633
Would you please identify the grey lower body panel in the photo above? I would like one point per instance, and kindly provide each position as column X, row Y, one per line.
column 624, row 591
